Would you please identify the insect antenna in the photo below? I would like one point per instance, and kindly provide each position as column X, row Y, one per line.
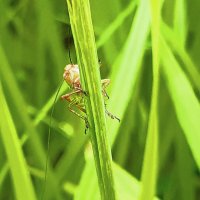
column 49, row 138
column 69, row 53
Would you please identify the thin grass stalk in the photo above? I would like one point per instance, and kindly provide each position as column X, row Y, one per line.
column 149, row 169
column 82, row 29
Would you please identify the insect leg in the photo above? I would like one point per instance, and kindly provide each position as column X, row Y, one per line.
column 105, row 93
column 111, row 115
column 67, row 96
column 81, row 90
column 78, row 103
column 75, row 103
column 105, row 83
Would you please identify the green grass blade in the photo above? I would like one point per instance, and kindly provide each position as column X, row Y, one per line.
column 180, row 25
column 150, row 163
column 128, row 187
column 189, row 66
column 132, row 56
column 3, row 173
column 21, row 178
column 184, row 168
column 109, row 31
column 82, row 29
column 40, row 116
column 129, row 66
column 19, row 103
column 185, row 102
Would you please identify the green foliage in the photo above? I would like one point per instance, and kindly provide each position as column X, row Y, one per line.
column 154, row 90
column 150, row 163
column 18, row 167
column 91, row 82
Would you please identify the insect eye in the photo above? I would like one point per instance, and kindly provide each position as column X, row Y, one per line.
column 66, row 71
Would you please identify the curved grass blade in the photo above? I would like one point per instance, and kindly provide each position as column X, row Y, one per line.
column 21, row 179
column 19, row 103
column 185, row 102
column 189, row 66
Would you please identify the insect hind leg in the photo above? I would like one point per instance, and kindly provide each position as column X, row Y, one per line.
column 105, row 83
column 105, row 93
column 74, row 103
column 111, row 115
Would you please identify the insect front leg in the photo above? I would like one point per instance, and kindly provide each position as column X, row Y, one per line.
column 81, row 90
column 68, row 96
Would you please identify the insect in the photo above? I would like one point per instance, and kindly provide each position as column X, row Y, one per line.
column 76, row 98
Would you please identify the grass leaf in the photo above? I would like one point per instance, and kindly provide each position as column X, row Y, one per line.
column 150, row 163
column 19, row 171
column 185, row 102
column 90, row 79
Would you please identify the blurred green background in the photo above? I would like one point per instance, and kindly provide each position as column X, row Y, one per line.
column 34, row 44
